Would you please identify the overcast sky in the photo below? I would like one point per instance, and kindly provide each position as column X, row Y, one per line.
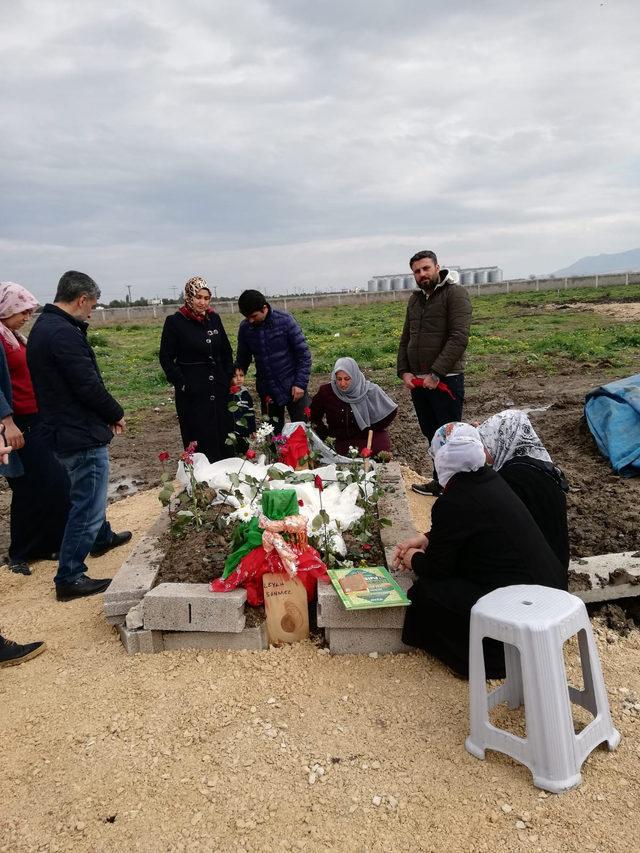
column 303, row 144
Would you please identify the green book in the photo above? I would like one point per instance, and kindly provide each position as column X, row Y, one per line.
column 362, row 589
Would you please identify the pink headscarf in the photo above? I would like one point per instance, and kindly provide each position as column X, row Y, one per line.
column 14, row 299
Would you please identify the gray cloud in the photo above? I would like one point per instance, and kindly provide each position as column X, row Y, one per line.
column 312, row 145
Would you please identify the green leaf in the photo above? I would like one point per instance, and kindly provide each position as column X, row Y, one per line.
column 316, row 524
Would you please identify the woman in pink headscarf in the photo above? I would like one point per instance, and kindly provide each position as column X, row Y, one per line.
column 39, row 485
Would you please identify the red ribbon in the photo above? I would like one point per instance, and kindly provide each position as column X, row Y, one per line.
column 441, row 386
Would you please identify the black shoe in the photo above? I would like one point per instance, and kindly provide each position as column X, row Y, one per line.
column 116, row 540
column 81, row 586
column 19, row 567
column 13, row 653
column 430, row 489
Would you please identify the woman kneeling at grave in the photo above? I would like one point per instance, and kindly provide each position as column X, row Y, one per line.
column 514, row 449
column 482, row 537
column 346, row 408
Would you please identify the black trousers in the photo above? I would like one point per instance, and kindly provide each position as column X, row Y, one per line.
column 39, row 498
column 435, row 408
column 275, row 413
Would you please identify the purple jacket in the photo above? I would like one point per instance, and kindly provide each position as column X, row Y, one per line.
column 281, row 353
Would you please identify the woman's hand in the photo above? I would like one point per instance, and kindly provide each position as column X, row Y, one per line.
column 416, row 543
column 12, row 435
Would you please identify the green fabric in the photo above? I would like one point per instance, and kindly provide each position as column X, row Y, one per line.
column 276, row 504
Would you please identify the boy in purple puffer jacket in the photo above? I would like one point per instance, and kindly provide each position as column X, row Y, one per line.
column 283, row 359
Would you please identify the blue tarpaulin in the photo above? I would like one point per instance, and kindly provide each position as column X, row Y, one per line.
column 613, row 415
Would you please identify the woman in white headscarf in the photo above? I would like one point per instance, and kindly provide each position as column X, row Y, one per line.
column 515, row 450
column 346, row 408
column 482, row 537
column 39, row 485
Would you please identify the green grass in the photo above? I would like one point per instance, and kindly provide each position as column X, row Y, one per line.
column 508, row 331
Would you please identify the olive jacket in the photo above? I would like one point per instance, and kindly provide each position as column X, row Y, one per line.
column 436, row 329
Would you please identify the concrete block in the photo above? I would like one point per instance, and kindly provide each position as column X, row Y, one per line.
column 120, row 608
column 393, row 505
column 362, row 641
column 193, row 607
column 134, row 619
column 136, row 642
column 253, row 639
column 606, row 576
column 331, row 613
column 116, row 620
column 138, row 573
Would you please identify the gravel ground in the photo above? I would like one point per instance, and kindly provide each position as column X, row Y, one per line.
column 288, row 749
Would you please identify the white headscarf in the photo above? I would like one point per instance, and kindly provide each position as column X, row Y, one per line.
column 447, row 431
column 14, row 299
column 456, row 450
column 368, row 401
column 510, row 434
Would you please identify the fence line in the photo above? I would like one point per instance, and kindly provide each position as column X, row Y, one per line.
column 322, row 300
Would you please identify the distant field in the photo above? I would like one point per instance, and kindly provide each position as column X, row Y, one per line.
column 516, row 331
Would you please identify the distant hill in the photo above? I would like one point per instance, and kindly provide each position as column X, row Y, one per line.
column 620, row 262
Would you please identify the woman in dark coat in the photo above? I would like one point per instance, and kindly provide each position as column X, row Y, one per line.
column 196, row 357
column 482, row 537
column 346, row 408
column 514, row 449
column 38, row 482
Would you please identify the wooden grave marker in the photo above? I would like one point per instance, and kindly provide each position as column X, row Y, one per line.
column 285, row 604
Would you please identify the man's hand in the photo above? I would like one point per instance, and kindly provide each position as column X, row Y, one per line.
column 13, row 437
column 407, row 381
column 430, row 381
column 119, row 427
column 296, row 393
column 5, row 449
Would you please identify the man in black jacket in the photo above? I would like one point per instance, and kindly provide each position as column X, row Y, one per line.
column 81, row 418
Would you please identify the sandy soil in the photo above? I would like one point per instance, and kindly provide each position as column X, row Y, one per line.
column 618, row 310
column 187, row 751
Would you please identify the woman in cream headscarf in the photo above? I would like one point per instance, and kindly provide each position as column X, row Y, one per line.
column 482, row 537
column 196, row 357
column 39, row 485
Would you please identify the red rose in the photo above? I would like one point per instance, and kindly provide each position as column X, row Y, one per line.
column 366, row 547
column 251, row 454
column 267, row 400
column 300, row 502
column 317, row 482
column 235, row 389
column 163, row 456
column 307, row 412
column 365, row 453
column 191, row 448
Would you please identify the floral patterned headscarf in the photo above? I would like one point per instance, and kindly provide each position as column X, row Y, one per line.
column 14, row 299
column 510, row 434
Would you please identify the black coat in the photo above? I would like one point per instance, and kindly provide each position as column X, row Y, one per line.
column 539, row 486
column 197, row 359
column 482, row 537
column 76, row 409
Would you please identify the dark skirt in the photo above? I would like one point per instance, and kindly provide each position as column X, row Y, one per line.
column 438, row 621
column 39, row 498
column 206, row 421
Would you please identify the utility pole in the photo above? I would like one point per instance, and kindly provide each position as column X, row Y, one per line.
column 129, row 286
column 173, row 288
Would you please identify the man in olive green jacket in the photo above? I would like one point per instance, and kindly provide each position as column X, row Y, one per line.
column 432, row 348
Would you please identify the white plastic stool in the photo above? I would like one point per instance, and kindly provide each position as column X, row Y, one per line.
column 534, row 622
